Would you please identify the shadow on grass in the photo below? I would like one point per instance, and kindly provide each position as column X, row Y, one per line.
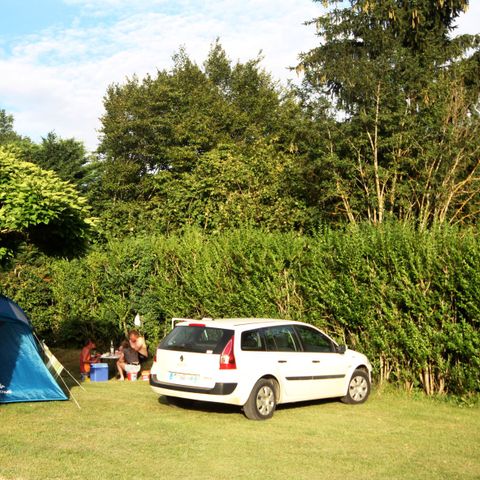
column 225, row 409
column 195, row 405
column 307, row 403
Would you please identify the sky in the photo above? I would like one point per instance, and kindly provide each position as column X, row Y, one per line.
column 57, row 57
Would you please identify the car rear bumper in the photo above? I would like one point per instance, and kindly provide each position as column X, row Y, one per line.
column 219, row 389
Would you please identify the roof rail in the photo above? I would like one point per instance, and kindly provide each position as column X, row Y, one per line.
column 178, row 320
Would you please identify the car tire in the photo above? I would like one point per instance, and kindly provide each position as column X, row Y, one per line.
column 358, row 388
column 262, row 401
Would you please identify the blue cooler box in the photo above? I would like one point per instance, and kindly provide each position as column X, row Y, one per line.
column 99, row 372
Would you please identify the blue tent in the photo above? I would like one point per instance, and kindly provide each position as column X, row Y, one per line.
column 23, row 374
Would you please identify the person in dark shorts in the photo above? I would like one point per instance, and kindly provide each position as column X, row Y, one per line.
column 129, row 361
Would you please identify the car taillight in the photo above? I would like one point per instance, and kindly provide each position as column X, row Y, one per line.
column 196, row 324
column 155, row 358
column 227, row 358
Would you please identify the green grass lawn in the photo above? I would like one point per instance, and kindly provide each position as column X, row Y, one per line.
column 123, row 431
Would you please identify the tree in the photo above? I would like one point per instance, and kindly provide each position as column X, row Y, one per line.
column 66, row 157
column 37, row 206
column 230, row 188
column 7, row 133
column 392, row 70
column 157, row 124
column 167, row 122
column 163, row 133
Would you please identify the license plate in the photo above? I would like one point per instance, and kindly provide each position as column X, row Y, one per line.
column 183, row 378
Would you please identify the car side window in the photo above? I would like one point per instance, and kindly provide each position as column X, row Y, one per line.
column 252, row 340
column 280, row 339
column 313, row 340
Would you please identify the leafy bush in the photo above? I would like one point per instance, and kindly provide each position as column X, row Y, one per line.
column 38, row 205
column 407, row 299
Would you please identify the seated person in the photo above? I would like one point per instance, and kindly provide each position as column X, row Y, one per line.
column 137, row 342
column 86, row 358
column 129, row 361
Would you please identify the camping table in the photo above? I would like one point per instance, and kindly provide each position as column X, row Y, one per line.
column 109, row 356
column 111, row 360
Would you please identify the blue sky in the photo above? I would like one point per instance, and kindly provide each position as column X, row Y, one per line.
column 57, row 57
column 23, row 17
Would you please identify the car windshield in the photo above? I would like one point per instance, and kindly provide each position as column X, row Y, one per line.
column 196, row 338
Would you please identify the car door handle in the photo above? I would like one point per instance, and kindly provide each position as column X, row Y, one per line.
column 282, row 361
column 315, row 361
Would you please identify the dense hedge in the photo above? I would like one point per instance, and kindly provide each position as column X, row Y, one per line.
column 407, row 299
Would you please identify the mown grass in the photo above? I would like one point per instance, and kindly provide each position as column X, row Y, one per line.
column 124, row 431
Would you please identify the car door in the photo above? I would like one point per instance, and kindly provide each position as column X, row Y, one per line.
column 325, row 368
column 284, row 352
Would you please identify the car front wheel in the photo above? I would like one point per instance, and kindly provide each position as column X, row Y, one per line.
column 262, row 402
column 358, row 388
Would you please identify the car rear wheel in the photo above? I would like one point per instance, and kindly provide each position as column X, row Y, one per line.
column 262, row 401
column 358, row 388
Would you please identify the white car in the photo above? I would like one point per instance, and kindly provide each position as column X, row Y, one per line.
column 257, row 364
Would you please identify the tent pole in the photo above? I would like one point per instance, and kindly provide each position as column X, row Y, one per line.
column 68, row 371
column 70, row 392
column 75, row 380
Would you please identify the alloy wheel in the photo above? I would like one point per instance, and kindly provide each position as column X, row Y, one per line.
column 265, row 400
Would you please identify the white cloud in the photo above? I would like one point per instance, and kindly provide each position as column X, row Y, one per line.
column 56, row 79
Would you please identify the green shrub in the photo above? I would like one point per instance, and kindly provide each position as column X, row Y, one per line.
column 407, row 299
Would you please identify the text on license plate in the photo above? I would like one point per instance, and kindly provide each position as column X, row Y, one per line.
column 183, row 377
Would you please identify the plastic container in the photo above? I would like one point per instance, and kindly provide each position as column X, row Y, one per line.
column 99, row 372
column 132, row 376
column 145, row 375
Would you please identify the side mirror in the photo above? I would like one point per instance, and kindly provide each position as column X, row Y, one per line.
column 341, row 349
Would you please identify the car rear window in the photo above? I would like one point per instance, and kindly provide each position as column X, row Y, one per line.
column 196, row 338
